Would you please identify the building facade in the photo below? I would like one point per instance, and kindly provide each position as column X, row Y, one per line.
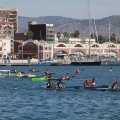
column 71, row 51
column 41, row 31
column 11, row 15
column 6, row 39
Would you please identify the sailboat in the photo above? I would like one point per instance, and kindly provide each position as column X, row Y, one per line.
column 90, row 62
column 110, row 62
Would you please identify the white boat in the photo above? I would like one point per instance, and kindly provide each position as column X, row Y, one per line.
column 46, row 62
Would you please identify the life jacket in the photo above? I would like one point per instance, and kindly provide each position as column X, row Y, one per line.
column 93, row 83
column 78, row 71
column 114, row 85
column 87, row 83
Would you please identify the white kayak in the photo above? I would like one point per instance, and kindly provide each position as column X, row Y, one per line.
column 4, row 70
column 25, row 76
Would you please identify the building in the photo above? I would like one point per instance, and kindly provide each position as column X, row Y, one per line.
column 6, row 38
column 41, row 31
column 11, row 15
column 70, row 51
column 34, row 49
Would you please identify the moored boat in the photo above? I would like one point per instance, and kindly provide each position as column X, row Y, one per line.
column 86, row 63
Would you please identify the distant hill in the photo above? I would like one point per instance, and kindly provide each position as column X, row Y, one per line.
column 70, row 25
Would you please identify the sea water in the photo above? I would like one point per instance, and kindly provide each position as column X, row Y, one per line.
column 21, row 99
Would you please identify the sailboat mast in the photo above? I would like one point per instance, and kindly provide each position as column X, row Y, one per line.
column 89, row 29
column 109, row 44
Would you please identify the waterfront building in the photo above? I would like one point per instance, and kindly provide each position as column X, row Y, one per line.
column 34, row 49
column 69, row 51
column 41, row 31
column 11, row 15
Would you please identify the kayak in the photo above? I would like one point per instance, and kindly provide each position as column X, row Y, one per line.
column 40, row 79
column 5, row 74
column 4, row 70
column 24, row 76
column 80, row 87
column 1, row 76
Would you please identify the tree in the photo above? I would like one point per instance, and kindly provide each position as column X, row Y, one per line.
column 59, row 35
column 93, row 36
column 113, row 38
column 66, row 34
column 101, row 39
column 30, row 35
column 75, row 34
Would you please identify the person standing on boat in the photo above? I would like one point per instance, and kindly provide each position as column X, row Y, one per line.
column 87, row 83
column 93, row 83
column 115, row 85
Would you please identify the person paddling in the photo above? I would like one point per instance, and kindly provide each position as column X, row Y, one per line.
column 111, row 69
column 67, row 76
column 33, row 70
column 87, row 83
column 93, row 83
column 50, row 84
column 47, row 72
column 60, row 83
column 78, row 71
column 115, row 85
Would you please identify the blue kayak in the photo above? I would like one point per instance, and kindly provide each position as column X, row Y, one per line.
column 79, row 87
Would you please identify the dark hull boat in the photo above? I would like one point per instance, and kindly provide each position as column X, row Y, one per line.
column 86, row 63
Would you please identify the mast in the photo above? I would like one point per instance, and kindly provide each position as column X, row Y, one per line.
column 109, row 44
column 116, row 44
column 89, row 29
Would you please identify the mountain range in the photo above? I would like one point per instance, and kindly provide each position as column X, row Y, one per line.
column 70, row 25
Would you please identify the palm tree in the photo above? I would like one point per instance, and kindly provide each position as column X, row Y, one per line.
column 66, row 34
column 30, row 35
column 113, row 38
column 59, row 35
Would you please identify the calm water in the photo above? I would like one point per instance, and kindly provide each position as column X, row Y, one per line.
column 28, row 102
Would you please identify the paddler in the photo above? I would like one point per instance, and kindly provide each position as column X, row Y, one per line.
column 44, row 76
column 78, row 71
column 50, row 75
column 115, row 85
column 60, row 83
column 93, row 83
column 33, row 70
column 50, row 84
column 47, row 72
column 67, row 76
column 87, row 83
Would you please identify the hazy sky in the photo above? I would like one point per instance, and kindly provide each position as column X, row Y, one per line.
column 66, row 8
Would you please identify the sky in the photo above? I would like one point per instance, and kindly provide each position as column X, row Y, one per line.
column 78, row 9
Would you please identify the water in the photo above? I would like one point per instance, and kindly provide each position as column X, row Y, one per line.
column 20, row 99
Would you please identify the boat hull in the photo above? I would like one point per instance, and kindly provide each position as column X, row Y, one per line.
column 97, row 63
